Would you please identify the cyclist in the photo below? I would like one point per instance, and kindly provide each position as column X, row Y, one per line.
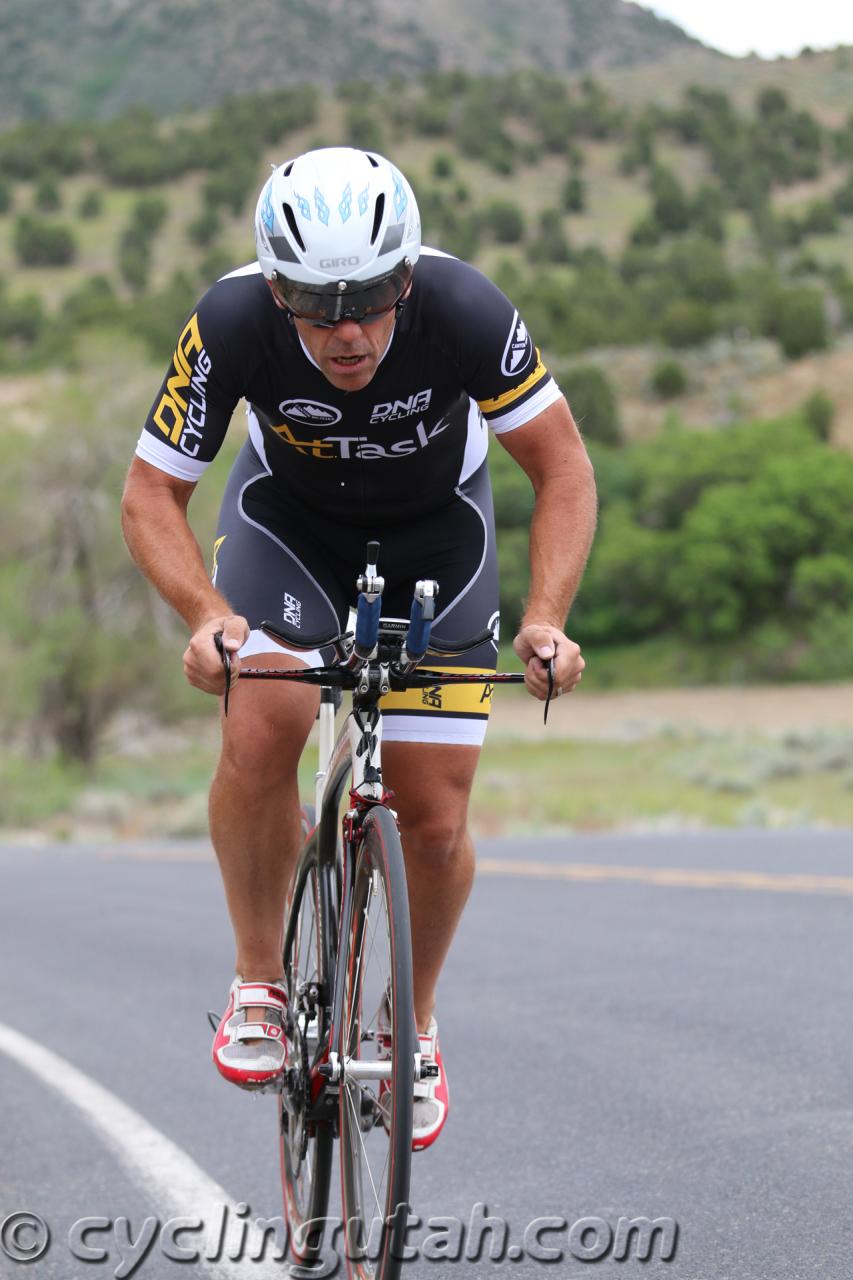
column 371, row 368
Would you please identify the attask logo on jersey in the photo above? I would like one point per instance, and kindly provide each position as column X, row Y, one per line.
column 518, row 351
column 313, row 411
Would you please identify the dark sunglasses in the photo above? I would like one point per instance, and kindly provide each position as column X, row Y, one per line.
column 327, row 305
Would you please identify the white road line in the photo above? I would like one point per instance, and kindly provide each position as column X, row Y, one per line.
column 170, row 1176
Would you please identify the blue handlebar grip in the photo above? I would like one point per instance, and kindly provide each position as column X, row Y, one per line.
column 417, row 637
column 367, row 625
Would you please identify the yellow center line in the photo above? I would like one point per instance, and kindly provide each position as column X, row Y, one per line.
column 581, row 872
column 669, row 877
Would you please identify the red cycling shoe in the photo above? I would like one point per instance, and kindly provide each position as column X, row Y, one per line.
column 261, row 1063
column 432, row 1095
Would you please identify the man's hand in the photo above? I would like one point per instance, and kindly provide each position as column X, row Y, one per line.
column 202, row 662
column 538, row 642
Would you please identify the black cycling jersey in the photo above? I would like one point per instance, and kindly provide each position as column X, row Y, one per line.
column 459, row 354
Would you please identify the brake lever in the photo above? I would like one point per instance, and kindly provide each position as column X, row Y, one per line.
column 551, row 677
column 226, row 662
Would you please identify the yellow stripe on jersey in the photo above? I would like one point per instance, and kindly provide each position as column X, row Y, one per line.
column 443, row 699
column 500, row 402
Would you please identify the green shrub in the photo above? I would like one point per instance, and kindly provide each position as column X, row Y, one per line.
column 94, row 302
column 551, row 243
column 574, row 194
column 670, row 205
column 822, row 582
column 686, row 323
column 91, row 204
column 46, row 195
column 149, row 214
column 818, row 412
column 443, row 165
column 505, row 220
column 22, row 317
column 669, row 380
column 134, row 259
column 798, row 320
column 647, row 232
column 204, row 229
column 821, row 218
column 41, row 243
column 363, row 128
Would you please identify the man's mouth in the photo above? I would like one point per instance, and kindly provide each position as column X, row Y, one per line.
column 348, row 360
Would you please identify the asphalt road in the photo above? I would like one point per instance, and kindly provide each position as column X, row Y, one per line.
column 645, row 1026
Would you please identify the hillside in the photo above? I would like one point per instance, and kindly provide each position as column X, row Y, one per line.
column 84, row 58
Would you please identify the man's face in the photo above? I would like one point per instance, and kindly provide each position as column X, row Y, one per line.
column 348, row 354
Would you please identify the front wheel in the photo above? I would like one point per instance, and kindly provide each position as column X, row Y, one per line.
column 379, row 1043
column 305, row 1141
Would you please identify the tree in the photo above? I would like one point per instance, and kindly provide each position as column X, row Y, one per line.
column 574, row 194
column 68, row 585
column 670, row 205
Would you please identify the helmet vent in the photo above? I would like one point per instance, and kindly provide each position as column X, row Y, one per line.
column 287, row 168
column 290, row 219
column 377, row 216
column 372, row 160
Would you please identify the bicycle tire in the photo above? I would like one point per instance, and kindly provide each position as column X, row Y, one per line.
column 305, row 1150
column 379, row 886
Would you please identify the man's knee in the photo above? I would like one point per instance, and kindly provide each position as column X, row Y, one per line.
column 263, row 737
column 437, row 837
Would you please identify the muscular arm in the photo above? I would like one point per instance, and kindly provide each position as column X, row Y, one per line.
column 550, row 450
column 158, row 536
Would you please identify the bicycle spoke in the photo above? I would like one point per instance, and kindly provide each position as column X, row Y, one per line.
column 365, row 1160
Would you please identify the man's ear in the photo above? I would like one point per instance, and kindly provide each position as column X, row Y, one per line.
column 276, row 299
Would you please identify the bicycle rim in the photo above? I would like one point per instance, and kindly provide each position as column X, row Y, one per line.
column 305, row 1148
column 377, row 1025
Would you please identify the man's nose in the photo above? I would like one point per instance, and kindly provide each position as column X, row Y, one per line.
column 348, row 330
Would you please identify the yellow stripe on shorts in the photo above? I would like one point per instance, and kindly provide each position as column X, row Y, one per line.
column 472, row 701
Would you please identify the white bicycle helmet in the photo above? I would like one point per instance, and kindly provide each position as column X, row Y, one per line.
column 338, row 234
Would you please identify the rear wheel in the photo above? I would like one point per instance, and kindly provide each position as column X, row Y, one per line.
column 305, row 1141
column 379, row 1043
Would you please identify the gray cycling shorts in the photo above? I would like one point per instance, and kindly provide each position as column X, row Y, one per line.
column 277, row 560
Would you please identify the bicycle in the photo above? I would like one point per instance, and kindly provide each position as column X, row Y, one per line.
column 347, row 947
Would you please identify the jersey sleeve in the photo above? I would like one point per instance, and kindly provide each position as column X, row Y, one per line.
column 501, row 367
column 191, row 412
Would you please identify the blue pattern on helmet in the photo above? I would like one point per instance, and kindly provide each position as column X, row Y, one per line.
column 400, row 197
column 267, row 215
column 363, row 200
column 345, row 207
column 304, row 207
column 321, row 206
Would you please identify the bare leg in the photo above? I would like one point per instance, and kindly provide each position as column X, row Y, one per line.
column 432, row 784
column 254, row 811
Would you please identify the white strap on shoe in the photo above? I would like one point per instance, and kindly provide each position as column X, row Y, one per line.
column 265, row 995
column 257, row 1031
